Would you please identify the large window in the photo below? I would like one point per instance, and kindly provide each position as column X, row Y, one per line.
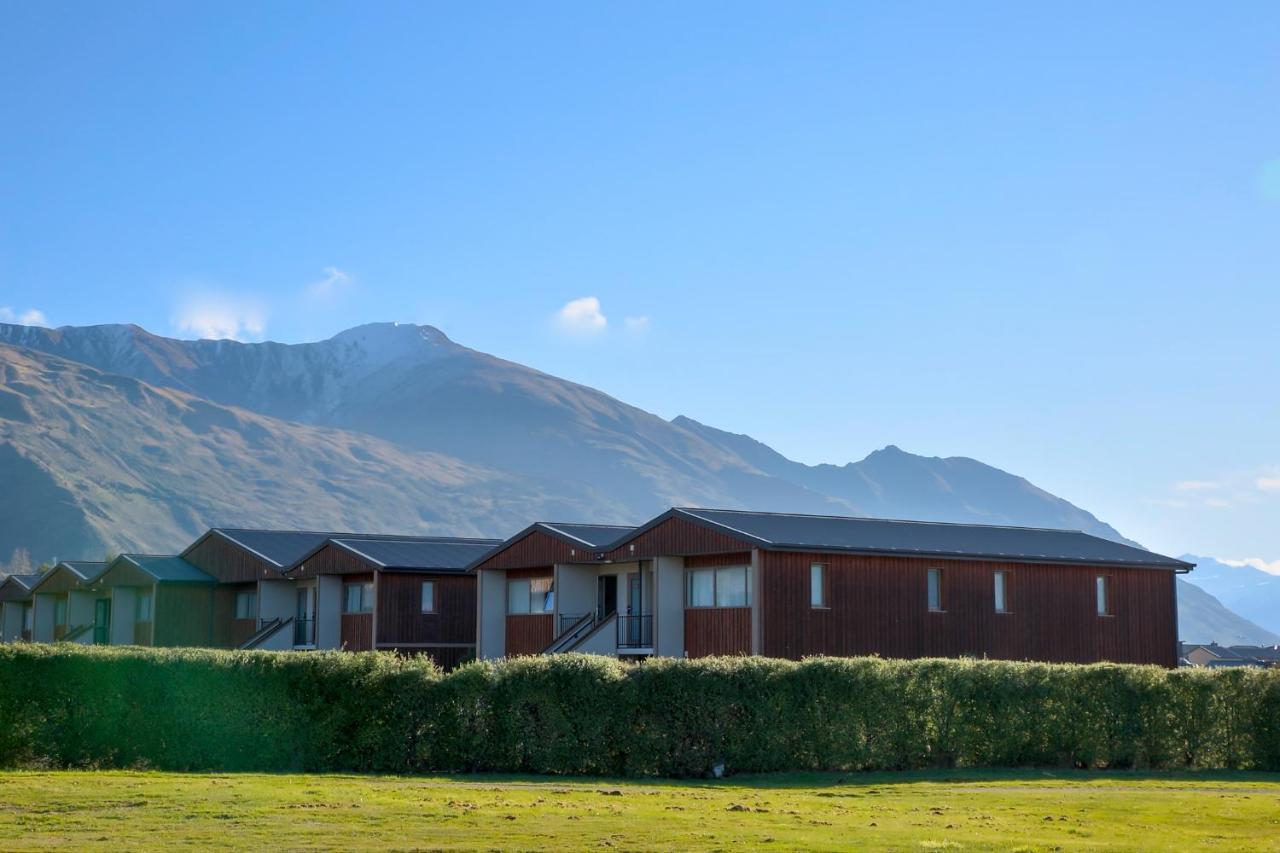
column 60, row 612
column 247, row 604
column 428, row 596
column 724, row 587
column 935, row 589
column 1002, row 592
column 817, row 585
column 357, row 597
column 1103, row 586
column 142, row 607
column 530, row 595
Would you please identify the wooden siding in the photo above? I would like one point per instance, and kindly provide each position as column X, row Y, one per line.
column 529, row 634
column 878, row 605
column 678, row 537
column 357, row 632
column 332, row 560
column 183, row 615
column 400, row 616
column 228, row 631
column 717, row 631
column 535, row 550
column 144, row 632
column 227, row 563
column 709, row 561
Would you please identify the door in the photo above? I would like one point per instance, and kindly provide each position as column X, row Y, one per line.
column 607, row 598
column 102, row 621
column 304, row 621
column 634, row 610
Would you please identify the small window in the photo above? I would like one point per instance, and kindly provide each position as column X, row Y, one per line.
column 357, row 598
column 60, row 612
column 247, row 604
column 817, row 585
column 935, row 589
column 428, row 596
column 142, row 607
column 1002, row 601
column 1104, row 595
column 530, row 595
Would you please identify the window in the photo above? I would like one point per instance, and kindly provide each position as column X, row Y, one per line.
column 60, row 612
column 1104, row 595
column 428, row 596
column 247, row 604
column 725, row 587
column 357, row 597
column 935, row 589
column 142, row 607
column 1002, row 601
column 530, row 595
column 28, row 618
column 817, row 585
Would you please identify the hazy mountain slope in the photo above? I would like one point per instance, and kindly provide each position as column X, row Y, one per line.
column 1252, row 593
column 93, row 461
column 891, row 483
column 1204, row 619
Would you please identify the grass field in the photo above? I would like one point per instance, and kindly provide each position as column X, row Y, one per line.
column 975, row 810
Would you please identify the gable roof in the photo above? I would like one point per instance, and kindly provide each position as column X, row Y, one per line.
column 287, row 549
column 418, row 554
column 18, row 587
column 795, row 532
column 593, row 537
column 81, row 572
column 23, row 581
column 165, row 568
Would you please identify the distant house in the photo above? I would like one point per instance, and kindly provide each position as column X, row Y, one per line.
column 66, row 607
column 16, row 617
column 157, row 601
column 410, row 595
column 695, row 582
column 1214, row 656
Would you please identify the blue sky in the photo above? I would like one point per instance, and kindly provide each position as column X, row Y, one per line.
column 1045, row 236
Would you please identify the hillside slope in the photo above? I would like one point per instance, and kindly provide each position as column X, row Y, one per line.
column 1252, row 593
column 1202, row 618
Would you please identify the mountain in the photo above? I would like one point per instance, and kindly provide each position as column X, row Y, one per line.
column 1202, row 618
column 115, row 438
column 94, row 461
column 1252, row 593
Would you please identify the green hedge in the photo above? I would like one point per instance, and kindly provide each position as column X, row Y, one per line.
column 188, row 709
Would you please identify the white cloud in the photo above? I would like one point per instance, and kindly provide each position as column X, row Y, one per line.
column 636, row 325
column 30, row 317
column 1268, row 484
column 1196, row 486
column 1272, row 568
column 221, row 317
column 334, row 280
column 1217, row 503
column 581, row 317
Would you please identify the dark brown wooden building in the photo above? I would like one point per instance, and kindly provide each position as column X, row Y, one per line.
column 409, row 595
column 705, row 582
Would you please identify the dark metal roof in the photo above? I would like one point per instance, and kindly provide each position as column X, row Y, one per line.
column 419, row 554
column 592, row 535
column 85, row 571
column 24, row 581
column 18, row 587
column 286, row 549
column 167, row 569
column 783, row 531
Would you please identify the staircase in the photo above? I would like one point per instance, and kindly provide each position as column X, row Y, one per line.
column 268, row 630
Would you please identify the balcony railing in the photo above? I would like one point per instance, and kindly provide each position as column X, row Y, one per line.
column 304, row 632
column 635, row 632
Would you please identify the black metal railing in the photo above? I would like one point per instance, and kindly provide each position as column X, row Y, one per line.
column 304, row 632
column 567, row 621
column 635, row 632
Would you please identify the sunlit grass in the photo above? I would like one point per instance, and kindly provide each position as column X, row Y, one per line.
column 925, row 811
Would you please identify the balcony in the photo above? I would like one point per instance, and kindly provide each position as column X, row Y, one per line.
column 304, row 633
column 635, row 632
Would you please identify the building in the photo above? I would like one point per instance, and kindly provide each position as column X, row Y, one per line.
column 157, row 601
column 409, row 595
column 1214, row 656
column 66, row 607
column 16, row 617
column 696, row 582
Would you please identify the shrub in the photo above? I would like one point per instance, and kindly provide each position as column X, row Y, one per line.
column 194, row 709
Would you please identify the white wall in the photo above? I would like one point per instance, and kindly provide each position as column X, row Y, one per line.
column 42, row 624
column 668, row 620
column 604, row 641
column 123, row 601
column 328, row 611
column 80, row 612
column 277, row 600
column 491, row 629
column 575, row 590
column 11, row 621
